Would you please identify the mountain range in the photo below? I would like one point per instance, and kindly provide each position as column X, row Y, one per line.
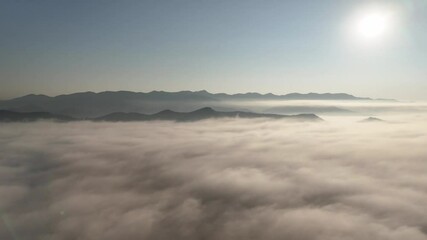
column 200, row 114
column 90, row 104
column 10, row 116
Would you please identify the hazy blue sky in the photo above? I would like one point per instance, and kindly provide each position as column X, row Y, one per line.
column 55, row 46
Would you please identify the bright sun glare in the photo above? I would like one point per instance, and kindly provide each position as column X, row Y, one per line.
column 372, row 25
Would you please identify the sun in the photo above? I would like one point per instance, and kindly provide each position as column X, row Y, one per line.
column 372, row 25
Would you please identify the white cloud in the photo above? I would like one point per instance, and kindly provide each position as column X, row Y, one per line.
column 222, row 179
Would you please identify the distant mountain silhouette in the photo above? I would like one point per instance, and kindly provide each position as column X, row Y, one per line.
column 89, row 104
column 372, row 119
column 290, row 96
column 9, row 116
column 200, row 114
column 306, row 109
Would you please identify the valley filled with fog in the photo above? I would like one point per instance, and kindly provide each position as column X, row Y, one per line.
column 213, row 120
column 219, row 179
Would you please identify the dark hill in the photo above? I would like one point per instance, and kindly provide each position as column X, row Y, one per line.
column 372, row 119
column 9, row 116
column 200, row 114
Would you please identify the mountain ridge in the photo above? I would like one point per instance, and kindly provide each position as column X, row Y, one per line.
column 199, row 114
column 91, row 104
column 288, row 96
column 10, row 116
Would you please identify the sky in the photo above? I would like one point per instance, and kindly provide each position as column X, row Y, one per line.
column 55, row 46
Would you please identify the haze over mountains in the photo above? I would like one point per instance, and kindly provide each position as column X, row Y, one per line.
column 91, row 105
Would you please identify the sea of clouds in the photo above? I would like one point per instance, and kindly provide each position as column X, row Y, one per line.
column 214, row 180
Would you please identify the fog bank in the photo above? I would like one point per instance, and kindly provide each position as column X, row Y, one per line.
column 215, row 180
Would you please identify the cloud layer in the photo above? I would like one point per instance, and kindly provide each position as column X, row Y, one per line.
column 220, row 179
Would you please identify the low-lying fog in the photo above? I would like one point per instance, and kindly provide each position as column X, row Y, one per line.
column 330, row 107
column 217, row 179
